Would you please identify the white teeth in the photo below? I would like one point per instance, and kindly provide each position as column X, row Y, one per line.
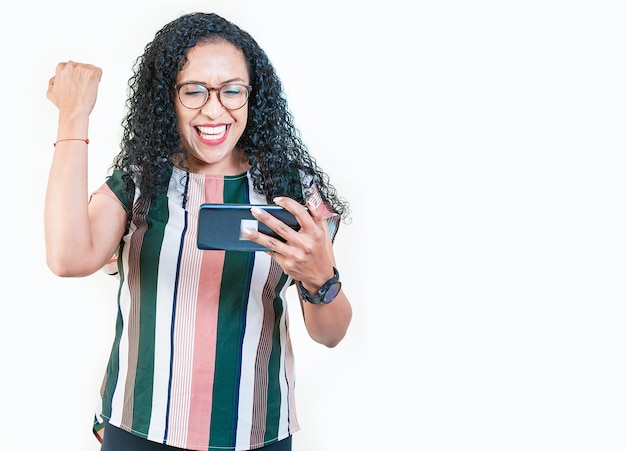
column 212, row 132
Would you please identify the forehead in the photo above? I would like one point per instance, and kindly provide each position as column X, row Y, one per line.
column 213, row 62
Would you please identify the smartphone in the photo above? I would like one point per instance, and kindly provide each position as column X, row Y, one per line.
column 220, row 225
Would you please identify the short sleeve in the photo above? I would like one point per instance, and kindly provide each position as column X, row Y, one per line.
column 114, row 186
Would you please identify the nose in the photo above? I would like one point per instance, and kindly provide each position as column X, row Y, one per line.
column 213, row 108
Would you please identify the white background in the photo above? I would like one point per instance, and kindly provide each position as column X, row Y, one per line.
column 481, row 145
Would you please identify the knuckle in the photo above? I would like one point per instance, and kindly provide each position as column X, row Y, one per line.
column 282, row 228
column 308, row 248
column 271, row 243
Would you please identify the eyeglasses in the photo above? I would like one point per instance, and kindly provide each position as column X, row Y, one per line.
column 195, row 95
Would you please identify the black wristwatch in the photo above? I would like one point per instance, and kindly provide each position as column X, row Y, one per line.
column 327, row 293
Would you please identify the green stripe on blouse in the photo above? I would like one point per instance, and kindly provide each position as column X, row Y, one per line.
column 150, row 257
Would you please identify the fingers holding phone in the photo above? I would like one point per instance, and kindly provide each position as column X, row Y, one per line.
column 276, row 231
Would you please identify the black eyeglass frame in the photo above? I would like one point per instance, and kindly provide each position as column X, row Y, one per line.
column 208, row 97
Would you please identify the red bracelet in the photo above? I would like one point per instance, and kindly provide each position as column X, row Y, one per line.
column 86, row 141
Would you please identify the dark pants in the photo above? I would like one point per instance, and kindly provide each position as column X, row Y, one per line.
column 116, row 439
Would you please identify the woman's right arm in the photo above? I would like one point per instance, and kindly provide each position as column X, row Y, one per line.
column 80, row 235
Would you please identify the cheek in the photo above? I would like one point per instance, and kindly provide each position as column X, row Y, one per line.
column 242, row 117
column 182, row 118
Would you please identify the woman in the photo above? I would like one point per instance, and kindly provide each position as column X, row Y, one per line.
column 202, row 357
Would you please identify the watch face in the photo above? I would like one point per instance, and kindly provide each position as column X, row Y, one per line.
column 332, row 292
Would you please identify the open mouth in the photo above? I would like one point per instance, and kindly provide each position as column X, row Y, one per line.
column 212, row 133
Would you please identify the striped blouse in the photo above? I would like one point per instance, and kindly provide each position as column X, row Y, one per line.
column 201, row 358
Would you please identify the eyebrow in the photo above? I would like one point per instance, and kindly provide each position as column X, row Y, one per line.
column 225, row 82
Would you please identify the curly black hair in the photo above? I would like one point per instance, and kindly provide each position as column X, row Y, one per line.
column 271, row 142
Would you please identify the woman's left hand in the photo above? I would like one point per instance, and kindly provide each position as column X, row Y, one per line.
column 307, row 255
